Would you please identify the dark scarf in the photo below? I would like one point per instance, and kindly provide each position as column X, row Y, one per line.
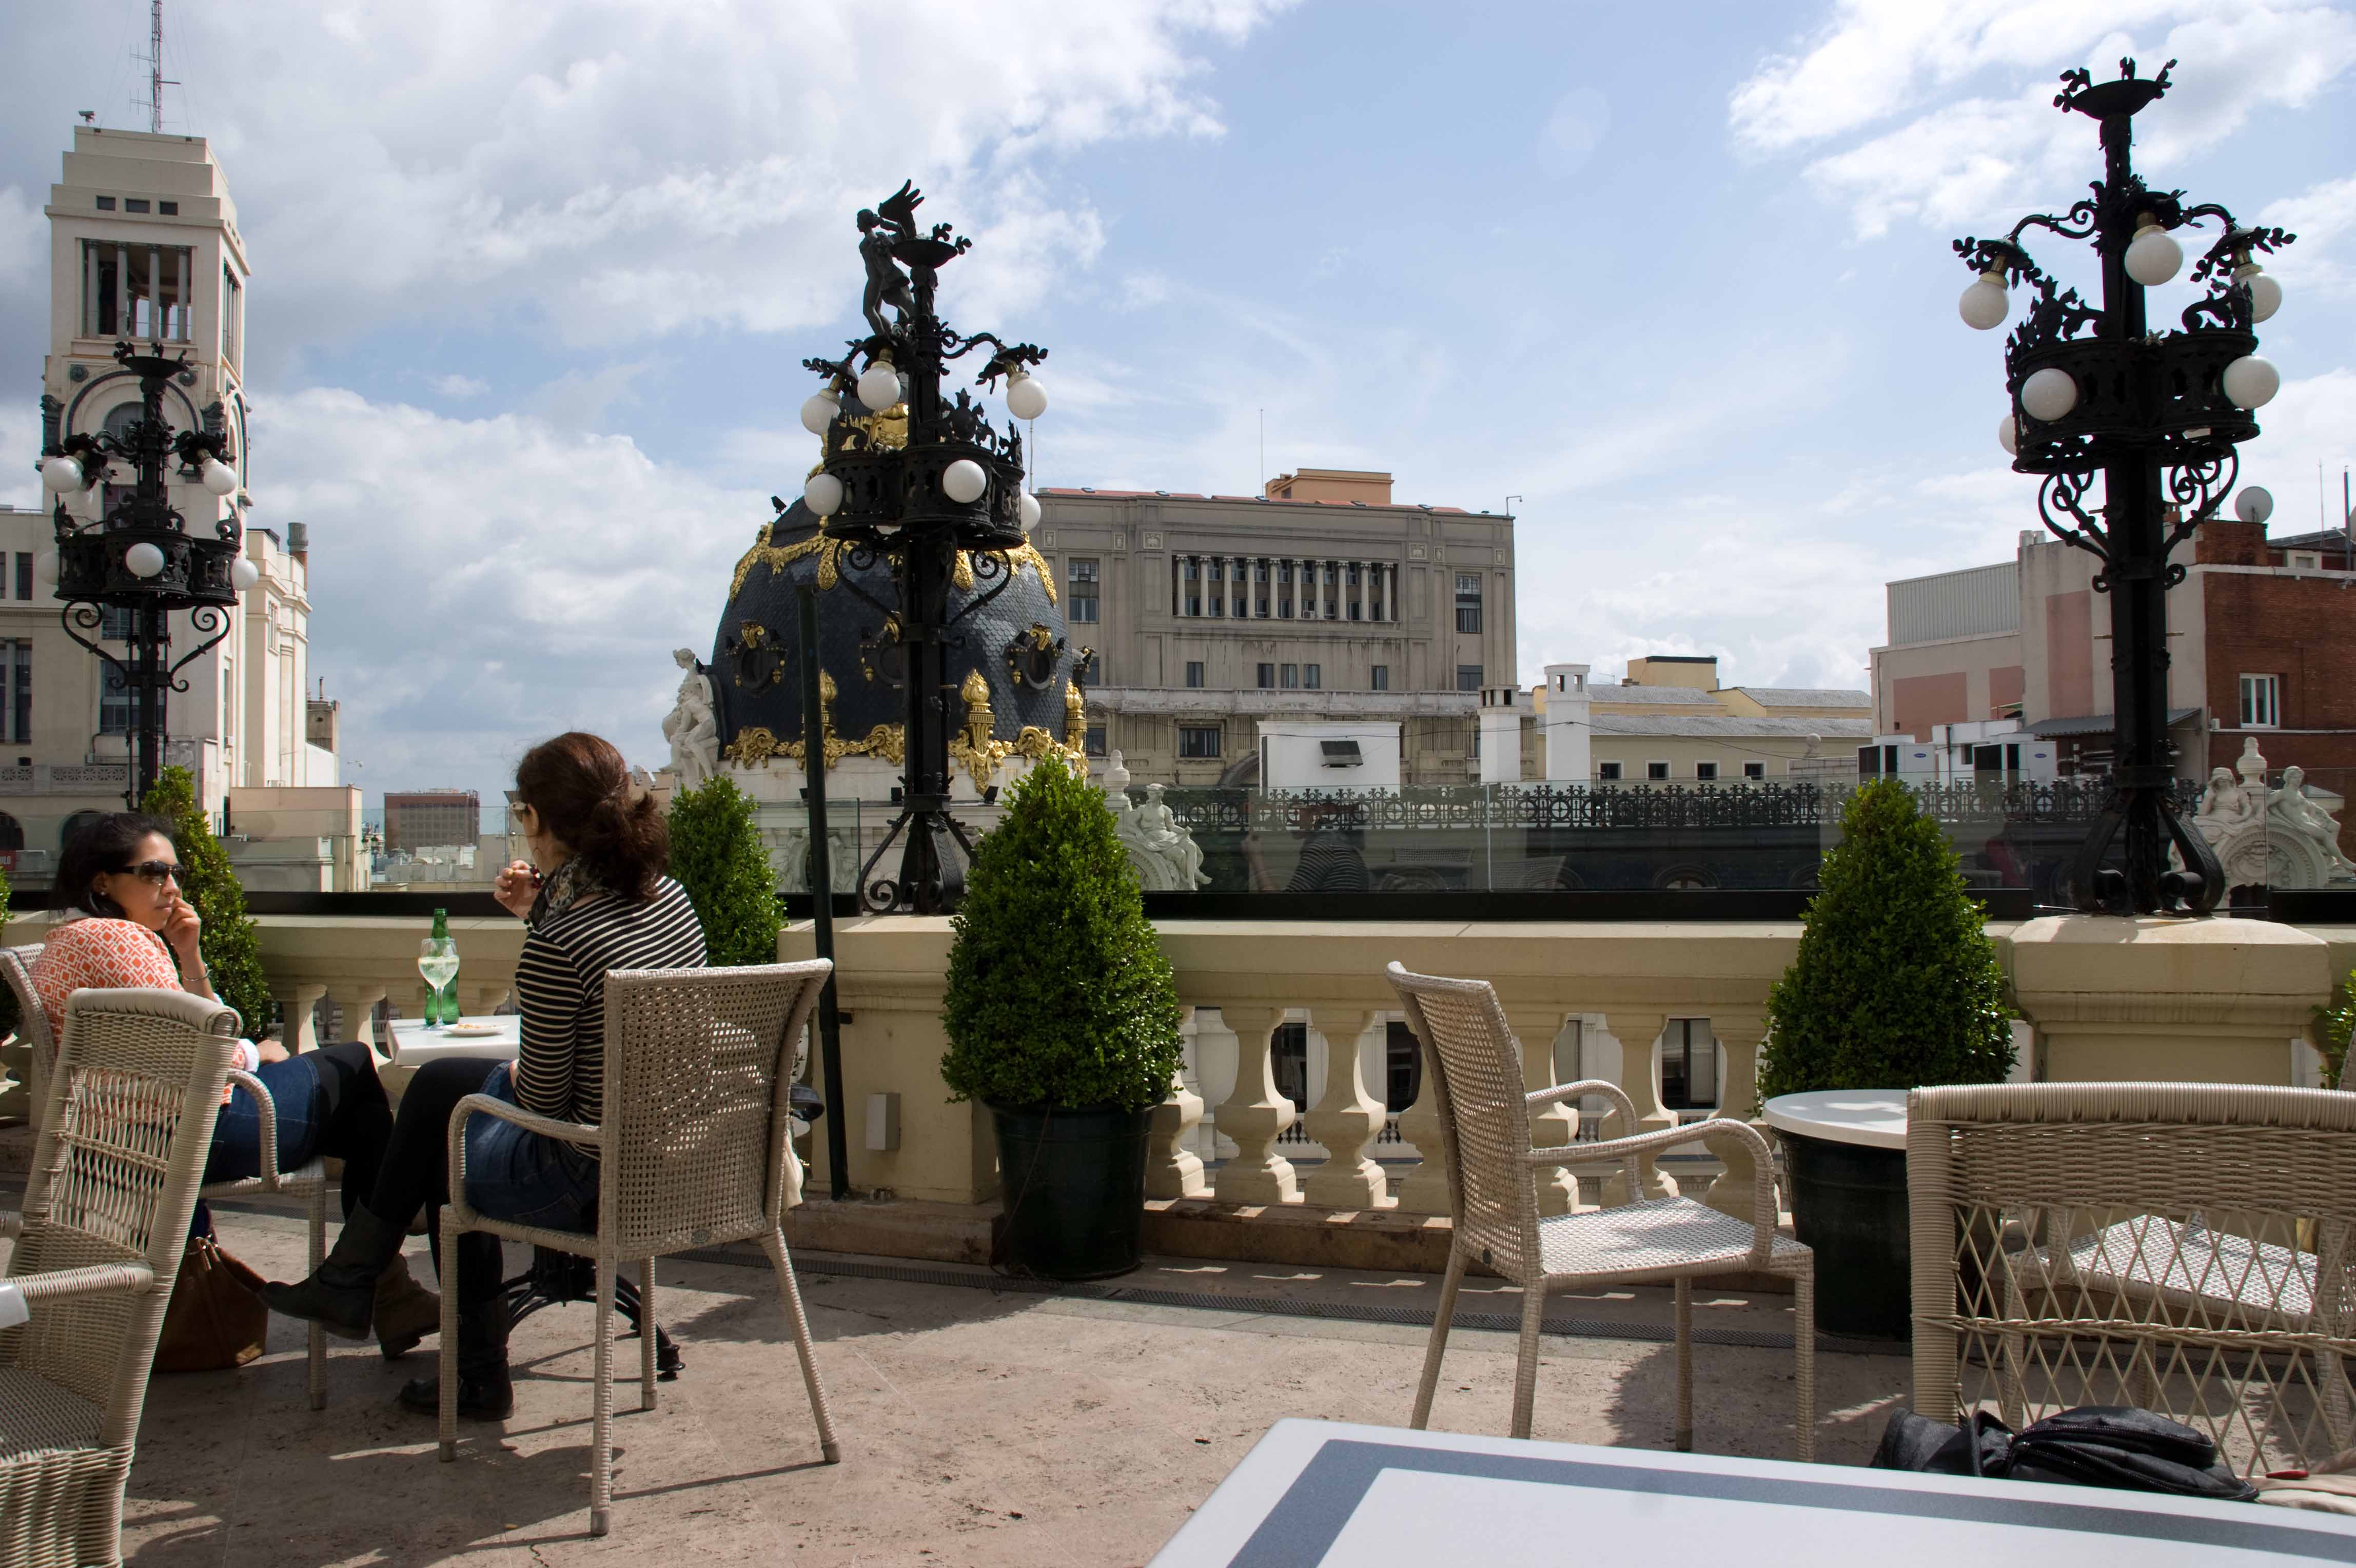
column 570, row 882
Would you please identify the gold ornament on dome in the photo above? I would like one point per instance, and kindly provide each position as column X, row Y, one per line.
column 777, row 557
column 754, row 745
column 971, row 748
column 1076, row 727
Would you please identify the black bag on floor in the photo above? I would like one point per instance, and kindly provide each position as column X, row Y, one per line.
column 2093, row 1445
column 1914, row 1442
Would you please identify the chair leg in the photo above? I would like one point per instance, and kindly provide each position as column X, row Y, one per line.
column 1685, row 1366
column 1525, row 1362
column 449, row 1345
column 1803, row 1357
column 1436, row 1344
column 648, row 1334
column 601, row 1474
column 318, row 1332
column 773, row 1243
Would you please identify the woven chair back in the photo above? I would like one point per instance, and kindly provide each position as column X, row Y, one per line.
column 698, row 1066
column 1474, row 1071
column 129, row 1120
column 32, row 1022
column 2184, row 1247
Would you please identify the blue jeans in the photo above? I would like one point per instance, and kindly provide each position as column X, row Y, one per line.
column 518, row 1174
column 329, row 1102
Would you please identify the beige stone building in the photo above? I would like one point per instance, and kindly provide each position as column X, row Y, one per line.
column 1322, row 598
column 1671, row 723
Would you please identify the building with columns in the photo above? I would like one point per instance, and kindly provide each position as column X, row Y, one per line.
column 143, row 242
column 1320, row 598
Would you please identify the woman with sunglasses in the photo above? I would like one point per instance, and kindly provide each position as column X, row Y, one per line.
column 118, row 888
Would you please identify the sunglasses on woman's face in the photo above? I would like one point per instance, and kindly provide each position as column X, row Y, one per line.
column 155, row 873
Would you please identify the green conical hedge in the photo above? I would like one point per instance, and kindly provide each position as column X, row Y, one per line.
column 232, row 958
column 1896, row 984
column 1058, row 991
column 717, row 855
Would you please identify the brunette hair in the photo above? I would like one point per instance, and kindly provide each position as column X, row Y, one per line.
column 98, row 847
column 581, row 790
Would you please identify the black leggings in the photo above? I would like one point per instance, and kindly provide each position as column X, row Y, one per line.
column 416, row 1174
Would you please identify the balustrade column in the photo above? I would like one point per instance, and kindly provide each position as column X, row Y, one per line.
column 1740, row 1035
column 1554, row 1125
column 295, row 1003
column 1171, row 1169
column 1346, row 1119
column 1424, row 1188
column 1255, row 1115
column 1636, row 1030
column 358, row 999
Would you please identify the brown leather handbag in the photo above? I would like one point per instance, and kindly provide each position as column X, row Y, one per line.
column 217, row 1319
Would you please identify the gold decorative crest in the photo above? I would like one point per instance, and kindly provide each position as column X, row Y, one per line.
column 971, row 748
column 754, row 745
column 777, row 557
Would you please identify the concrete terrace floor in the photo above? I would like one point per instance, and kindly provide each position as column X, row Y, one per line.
column 978, row 1425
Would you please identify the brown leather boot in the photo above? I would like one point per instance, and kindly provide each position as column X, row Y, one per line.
column 406, row 1312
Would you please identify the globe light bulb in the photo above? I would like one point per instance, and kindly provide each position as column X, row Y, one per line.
column 2266, row 295
column 1986, row 303
column 823, row 493
column 243, row 574
column 61, row 473
column 879, row 386
column 1025, row 398
column 819, row 412
column 963, row 482
column 2153, row 256
column 45, row 567
column 2254, row 504
column 1030, row 511
column 2048, row 395
column 2251, row 381
column 143, row 560
column 2008, row 435
column 219, row 478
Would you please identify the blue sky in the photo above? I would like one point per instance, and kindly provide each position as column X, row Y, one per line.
column 533, row 283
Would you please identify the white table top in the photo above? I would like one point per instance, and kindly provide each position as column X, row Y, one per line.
column 1873, row 1117
column 413, row 1045
column 1374, row 1497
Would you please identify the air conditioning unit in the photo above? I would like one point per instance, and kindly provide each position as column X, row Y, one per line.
column 1340, row 752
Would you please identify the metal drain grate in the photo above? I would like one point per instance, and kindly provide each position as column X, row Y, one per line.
column 1285, row 1307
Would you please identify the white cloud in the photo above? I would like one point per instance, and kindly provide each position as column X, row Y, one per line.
column 1573, row 131
column 1951, row 159
column 460, row 386
column 24, row 243
column 2324, row 219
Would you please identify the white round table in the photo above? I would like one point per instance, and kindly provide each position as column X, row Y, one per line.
column 1874, row 1118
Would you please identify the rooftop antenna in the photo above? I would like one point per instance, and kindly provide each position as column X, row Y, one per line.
column 1259, row 486
column 156, row 81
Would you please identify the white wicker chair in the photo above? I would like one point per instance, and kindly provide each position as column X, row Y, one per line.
column 32, row 1027
column 129, row 1119
column 309, row 1180
column 2185, row 1247
column 1473, row 1066
column 692, row 1152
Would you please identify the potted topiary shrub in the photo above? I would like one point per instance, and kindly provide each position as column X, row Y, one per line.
column 1063, row 1018
column 1895, row 985
column 717, row 854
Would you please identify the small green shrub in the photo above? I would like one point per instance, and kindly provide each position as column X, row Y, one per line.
column 1058, row 991
column 717, row 854
column 1896, row 983
column 232, row 957
column 2331, row 1031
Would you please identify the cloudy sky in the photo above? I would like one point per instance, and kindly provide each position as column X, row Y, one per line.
column 533, row 282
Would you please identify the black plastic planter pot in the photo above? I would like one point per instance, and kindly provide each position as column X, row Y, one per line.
column 1073, row 1183
column 1848, row 1203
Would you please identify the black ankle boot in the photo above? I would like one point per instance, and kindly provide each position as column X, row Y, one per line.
column 485, row 1392
column 341, row 1298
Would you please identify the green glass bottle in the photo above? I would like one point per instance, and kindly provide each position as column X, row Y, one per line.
column 437, row 964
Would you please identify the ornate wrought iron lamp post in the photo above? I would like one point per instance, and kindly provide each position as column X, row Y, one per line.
column 2157, row 417
column 953, row 485
column 139, row 557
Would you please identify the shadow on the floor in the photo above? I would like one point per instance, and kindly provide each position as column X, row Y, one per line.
column 1751, row 1413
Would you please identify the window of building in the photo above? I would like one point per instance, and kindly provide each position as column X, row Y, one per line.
column 1657, row 771
column 1705, row 771
column 1268, row 677
column 2261, row 702
column 1689, row 1066
column 1193, row 604
column 141, row 291
column 1080, row 578
column 1096, row 741
column 106, row 204
column 113, row 703
column 1292, row 677
column 1382, row 678
column 16, row 691
column 1468, row 601
column 1607, row 773
column 1312, row 677
column 1754, row 770
column 12, row 832
column 1193, row 674
column 1198, row 740
column 169, row 208
column 114, row 624
column 24, row 574
column 232, row 313
column 135, row 204
column 1468, row 677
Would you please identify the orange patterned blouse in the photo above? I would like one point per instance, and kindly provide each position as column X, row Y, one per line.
column 96, row 952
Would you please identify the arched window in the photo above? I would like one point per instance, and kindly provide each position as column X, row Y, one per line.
column 12, row 832
column 120, row 417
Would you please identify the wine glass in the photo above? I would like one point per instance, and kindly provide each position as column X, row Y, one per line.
column 437, row 964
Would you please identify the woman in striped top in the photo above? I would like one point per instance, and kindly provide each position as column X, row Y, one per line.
column 594, row 899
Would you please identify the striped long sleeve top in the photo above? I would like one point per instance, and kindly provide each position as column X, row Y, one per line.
column 561, row 988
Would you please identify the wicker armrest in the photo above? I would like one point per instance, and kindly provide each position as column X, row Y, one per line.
column 1585, row 1085
column 1623, row 1151
column 489, row 1105
column 91, row 1279
column 266, row 1110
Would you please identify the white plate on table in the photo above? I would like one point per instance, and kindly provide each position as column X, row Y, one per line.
column 470, row 1031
